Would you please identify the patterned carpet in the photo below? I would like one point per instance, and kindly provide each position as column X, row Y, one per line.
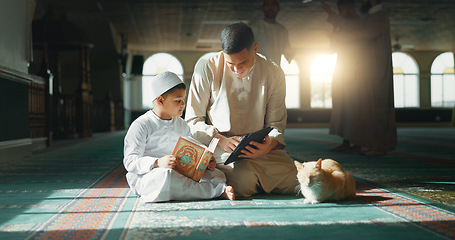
column 78, row 191
column 375, row 214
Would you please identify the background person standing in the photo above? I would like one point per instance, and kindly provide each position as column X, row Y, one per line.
column 272, row 36
column 375, row 129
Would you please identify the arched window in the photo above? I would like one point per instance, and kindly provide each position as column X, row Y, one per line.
column 291, row 71
column 154, row 65
column 405, row 80
column 443, row 81
column 321, row 80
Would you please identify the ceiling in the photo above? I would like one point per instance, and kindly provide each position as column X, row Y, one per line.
column 195, row 25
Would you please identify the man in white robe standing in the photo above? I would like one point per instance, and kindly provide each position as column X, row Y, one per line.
column 236, row 92
column 345, row 81
column 375, row 129
column 272, row 36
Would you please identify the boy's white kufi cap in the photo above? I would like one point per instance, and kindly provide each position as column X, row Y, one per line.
column 162, row 82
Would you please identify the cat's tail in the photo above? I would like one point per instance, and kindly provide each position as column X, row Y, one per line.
column 298, row 190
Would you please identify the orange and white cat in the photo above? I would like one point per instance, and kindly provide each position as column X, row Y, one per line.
column 324, row 180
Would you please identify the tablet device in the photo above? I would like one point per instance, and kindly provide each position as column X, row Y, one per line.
column 257, row 136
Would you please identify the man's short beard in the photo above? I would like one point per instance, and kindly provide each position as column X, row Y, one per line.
column 365, row 7
column 271, row 14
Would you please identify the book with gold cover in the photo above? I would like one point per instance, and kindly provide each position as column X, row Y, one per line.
column 193, row 157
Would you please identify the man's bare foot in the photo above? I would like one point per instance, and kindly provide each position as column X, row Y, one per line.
column 354, row 149
column 374, row 153
column 228, row 193
column 340, row 148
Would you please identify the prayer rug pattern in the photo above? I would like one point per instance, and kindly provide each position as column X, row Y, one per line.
column 79, row 192
column 385, row 213
column 89, row 215
column 425, row 215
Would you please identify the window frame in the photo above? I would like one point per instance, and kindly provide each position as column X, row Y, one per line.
column 147, row 75
column 405, row 75
column 437, row 73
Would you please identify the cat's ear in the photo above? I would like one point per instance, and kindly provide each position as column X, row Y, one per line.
column 318, row 164
column 298, row 165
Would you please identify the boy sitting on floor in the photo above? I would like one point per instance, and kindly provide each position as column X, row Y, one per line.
column 152, row 137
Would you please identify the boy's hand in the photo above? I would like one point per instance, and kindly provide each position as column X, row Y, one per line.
column 168, row 161
column 212, row 164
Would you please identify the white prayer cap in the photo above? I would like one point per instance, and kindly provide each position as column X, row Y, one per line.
column 163, row 82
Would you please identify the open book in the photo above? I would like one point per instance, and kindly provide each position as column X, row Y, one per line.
column 257, row 136
column 193, row 157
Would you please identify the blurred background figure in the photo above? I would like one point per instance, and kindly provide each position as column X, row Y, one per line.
column 344, row 84
column 375, row 127
column 273, row 38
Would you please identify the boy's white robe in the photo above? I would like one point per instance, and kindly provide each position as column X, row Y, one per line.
column 150, row 138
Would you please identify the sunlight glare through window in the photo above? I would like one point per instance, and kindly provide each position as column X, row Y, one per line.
column 291, row 71
column 321, row 80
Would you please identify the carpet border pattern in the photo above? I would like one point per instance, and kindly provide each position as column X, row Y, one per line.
column 89, row 215
column 424, row 215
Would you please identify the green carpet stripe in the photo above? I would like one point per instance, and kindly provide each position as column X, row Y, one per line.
column 398, row 154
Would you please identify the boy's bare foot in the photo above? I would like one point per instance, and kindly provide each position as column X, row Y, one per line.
column 228, row 193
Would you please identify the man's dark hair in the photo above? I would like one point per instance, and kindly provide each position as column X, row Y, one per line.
column 277, row 3
column 236, row 37
column 346, row 3
column 179, row 86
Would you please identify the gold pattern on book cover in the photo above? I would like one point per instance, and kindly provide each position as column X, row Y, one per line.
column 193, row 158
